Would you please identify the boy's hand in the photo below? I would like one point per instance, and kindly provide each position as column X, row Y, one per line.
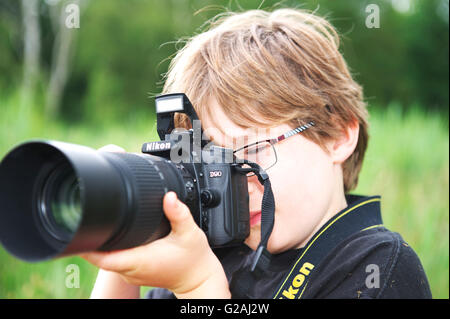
column 182, row 262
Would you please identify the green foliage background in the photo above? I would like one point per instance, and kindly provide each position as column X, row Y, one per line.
column 123, row 48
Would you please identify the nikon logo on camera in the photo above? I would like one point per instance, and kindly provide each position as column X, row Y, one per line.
column 156, row 146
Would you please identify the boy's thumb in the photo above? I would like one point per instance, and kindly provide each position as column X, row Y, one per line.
column 178, row 214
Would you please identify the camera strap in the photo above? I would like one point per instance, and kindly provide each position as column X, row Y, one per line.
column 267, row 212
column 337, row 229
column 261, row 259
column 362, row 214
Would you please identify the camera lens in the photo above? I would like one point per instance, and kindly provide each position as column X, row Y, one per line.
column 59, row 206
column 59, row 199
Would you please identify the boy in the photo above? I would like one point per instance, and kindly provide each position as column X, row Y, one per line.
column 281, row 72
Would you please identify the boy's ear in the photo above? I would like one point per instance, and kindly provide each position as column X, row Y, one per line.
column 342, row 147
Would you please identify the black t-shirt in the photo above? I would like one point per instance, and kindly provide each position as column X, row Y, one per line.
column 370, row 263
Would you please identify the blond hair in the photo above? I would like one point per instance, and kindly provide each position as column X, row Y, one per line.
column 269, row 68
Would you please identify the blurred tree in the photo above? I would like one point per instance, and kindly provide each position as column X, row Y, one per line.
column 63, row 47
column 11, row 46
column 426, row 33
column 32, row 48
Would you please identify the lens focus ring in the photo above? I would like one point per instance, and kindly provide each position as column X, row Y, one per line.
column 146, row 188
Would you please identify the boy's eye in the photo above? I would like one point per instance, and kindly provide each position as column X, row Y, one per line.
column 257, row 152
column 255, row 149
column 262, row 153
column 251, row 151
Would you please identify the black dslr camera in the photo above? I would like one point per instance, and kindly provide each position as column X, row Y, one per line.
column 59, row 199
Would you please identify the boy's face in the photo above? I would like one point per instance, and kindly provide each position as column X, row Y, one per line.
column 306, row 183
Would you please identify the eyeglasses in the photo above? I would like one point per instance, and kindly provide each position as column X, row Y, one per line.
column 263, row 152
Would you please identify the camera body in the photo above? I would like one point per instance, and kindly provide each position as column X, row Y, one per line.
column 214, row 190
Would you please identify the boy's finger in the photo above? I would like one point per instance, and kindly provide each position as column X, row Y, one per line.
column 118, row 261
column 178, row 214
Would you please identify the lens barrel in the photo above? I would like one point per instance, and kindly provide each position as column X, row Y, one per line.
column 59, row 199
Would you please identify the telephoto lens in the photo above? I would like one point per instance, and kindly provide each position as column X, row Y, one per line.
column 59, row 199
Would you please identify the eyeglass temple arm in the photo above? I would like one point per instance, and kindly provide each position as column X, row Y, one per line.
column 295, row 131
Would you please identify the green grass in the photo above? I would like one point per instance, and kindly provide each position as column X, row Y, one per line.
column 407, row 163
